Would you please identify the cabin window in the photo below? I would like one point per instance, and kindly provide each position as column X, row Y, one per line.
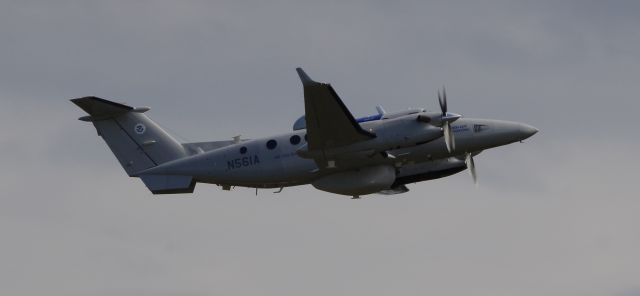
column 272, row 144
column 295, row 140
column 243, row 150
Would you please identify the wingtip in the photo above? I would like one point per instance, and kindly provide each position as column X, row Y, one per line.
column 304, row 77
column 81, row 99
column 76, row 100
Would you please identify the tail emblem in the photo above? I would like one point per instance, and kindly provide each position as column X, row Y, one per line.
column 140, row 128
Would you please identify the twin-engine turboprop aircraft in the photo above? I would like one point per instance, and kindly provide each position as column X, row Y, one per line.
column 328, row 148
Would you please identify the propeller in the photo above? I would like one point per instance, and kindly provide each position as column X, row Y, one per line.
column 472, row 168
column 447, row 119
column 442, row 99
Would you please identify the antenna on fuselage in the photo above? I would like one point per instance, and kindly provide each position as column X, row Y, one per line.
column 381, row 110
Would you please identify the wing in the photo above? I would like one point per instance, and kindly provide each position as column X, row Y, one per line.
column 329, row 123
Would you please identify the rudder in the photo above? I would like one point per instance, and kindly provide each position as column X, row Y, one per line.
column 137, row 141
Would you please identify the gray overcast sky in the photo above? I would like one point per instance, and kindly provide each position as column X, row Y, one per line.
column 557, row 215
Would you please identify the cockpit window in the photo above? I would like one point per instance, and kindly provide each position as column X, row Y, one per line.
column 479, row 127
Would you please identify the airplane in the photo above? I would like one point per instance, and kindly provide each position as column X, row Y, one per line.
column 327, row 148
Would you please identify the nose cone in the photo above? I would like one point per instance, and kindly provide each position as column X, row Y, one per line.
column 526, row 131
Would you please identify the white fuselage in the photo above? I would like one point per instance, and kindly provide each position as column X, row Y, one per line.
column 412, row 147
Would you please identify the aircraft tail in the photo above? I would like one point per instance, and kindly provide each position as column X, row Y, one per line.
column 137, row 142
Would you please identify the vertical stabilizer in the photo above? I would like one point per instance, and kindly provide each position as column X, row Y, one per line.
column 137, row 141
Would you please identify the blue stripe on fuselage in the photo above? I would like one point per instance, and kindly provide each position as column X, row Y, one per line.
column 369, row 118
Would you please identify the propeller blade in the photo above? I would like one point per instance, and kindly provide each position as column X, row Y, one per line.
column 446, row 119
column 472, row 168
column 442, row 99
column 448, row 137
column 453, row 139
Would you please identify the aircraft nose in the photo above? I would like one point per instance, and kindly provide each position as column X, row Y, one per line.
column 527, row 131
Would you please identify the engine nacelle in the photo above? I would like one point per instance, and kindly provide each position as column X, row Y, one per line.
column 358, row 182
column 430, row 170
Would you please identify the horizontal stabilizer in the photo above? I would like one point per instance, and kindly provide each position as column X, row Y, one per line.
column 167, row 184
column 101, row 108
column 199, row 147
